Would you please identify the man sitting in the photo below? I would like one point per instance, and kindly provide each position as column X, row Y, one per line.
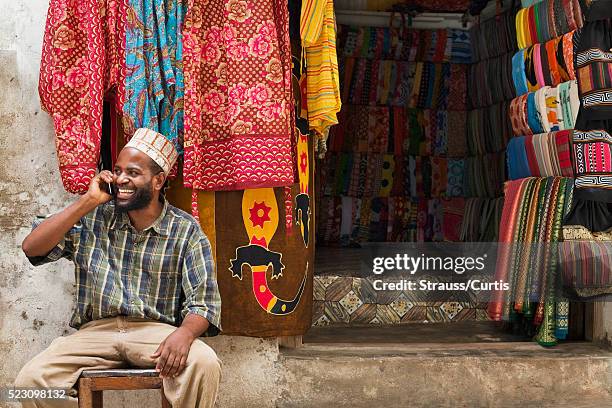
column 142, row 268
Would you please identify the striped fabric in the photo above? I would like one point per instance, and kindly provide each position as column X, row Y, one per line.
column 540, row 155
column 162, row 273
column 318, row 33
column 586, row 261
column 594, row 69
column 593, row 159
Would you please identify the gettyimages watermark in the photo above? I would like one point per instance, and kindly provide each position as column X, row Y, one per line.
column 485, row 271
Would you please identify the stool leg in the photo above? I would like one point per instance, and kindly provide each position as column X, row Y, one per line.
column 164, row 401
column 87, row 397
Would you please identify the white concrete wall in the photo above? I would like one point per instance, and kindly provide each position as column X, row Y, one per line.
column 35, row 303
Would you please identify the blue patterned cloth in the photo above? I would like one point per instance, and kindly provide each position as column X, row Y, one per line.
column 154, row 79
column 518, row 166
column 518, row 73
column 533, row 118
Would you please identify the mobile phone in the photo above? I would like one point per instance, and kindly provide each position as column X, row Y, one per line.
column 108, row 188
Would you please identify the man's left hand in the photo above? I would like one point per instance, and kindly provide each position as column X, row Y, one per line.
column 171, row 355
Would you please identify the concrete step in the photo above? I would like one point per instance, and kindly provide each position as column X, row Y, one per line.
column 472, row 374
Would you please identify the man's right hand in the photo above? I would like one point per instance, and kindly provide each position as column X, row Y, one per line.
column 52, row 230
column 97, row 187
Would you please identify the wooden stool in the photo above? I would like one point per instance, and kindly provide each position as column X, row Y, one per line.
column 93, row 382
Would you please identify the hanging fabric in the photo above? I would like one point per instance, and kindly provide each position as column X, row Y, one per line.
column 238, row 98
column 83, row 60
column 154, row 77
column 318, row 33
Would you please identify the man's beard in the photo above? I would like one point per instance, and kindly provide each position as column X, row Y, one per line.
column 140, row 199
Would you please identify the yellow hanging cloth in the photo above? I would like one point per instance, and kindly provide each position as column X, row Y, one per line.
column 318, row 34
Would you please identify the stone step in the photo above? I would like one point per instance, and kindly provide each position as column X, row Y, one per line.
column 445, row 374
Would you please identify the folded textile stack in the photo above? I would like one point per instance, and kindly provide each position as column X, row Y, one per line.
column 424, row 85
column 592, row 143
column 546, row 110
column 541, row 155
column 382, row 43
column 594, row 69
column 493, row 37
column 485, row 175
column 531, row 227
column 348, row 221
column 547, row 19
column 542, row 64
column 592, row 154
column 398, row 153
column 488, row 129
column 481, row 219
column 359, row 175
column 496, row 73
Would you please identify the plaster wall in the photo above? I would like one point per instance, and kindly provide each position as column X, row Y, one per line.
column 35, row 303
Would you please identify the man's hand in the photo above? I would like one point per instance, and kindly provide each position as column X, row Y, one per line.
column 171, row 355
column 97, row 193
column 52, row 230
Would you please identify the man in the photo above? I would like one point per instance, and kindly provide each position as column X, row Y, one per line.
column 143, row 267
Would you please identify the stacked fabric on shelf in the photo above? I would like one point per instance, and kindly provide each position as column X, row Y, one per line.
column 541, row 155
column 485, row 175
column 396, row 168
column 591, row 140
column 424, row 85
column 532, row 215
column 383, row 43
column 496, row 73
column 493, row 37
column 347, row 220
column 491, row 88
column 546, row 110
column 545, row 20
column 587, row 251
column 488, row 129
column 542, row 64
column 594, row 69
column 481, row 219
column 592, row 155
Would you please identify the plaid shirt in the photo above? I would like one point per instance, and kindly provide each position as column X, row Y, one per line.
column 162, row 273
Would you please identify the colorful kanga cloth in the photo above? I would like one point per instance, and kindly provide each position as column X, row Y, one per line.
column 83, row 61
column 238, row 97
column 154, row 77
column 592, row 154
column 532, row 214
column 318, row 33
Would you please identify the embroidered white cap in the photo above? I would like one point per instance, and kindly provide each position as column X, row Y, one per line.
column 156, row 146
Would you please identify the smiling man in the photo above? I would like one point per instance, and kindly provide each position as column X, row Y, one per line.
column 146, row 284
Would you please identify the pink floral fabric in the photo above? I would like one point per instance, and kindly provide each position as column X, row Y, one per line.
column 82, row 60
column 238, row 99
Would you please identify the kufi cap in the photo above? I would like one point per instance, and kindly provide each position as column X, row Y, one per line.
column 156, row 146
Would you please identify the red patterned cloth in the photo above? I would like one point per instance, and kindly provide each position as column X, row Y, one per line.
column 238, row 99
column 83, row 58
column 458, row 87
column 563, row 140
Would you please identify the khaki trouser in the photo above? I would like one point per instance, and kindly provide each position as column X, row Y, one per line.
column 120, row 342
